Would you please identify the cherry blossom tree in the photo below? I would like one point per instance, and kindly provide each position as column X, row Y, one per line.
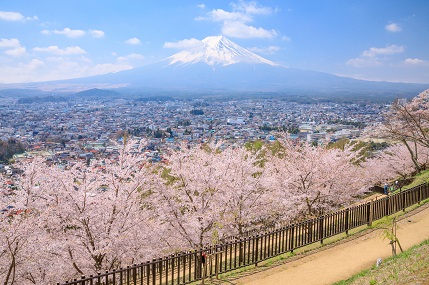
column 97, row 215
column 313, row 180
column 408, row 123
column 21, row 241
column 392, row 163
column 248, row 197
column 90, row 218
column 214, row 191
column 191, row 196
column 12, row 244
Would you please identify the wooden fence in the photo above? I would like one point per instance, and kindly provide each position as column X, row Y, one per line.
column 187, row 267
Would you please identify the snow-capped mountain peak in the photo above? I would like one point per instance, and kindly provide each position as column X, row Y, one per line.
column 217, row 50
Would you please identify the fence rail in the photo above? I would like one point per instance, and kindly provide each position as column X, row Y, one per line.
column 187, row 267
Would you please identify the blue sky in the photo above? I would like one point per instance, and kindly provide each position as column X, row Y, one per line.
column 367, row 39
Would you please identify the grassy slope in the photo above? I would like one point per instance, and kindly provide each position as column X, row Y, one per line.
column 409, row 267
column 419, row 179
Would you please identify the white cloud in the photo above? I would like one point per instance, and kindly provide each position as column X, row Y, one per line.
column 15, row 48
column 363, row 62
column 133, row 41
column 392, row 49
column 57, row 51
column 286, row 38
column 240, row 30
column 11, row 16
column 184, row 44
column 15, row 16
column 414, row 61
column 235, row 23
column 70, row 33
column 393, row 27
column 75, row 33
column 16, row 51
column 265, row 50
column 55, row 68
column 21, row 72
column 220, row 15
column 201, row 6
column 34, row 63
column 9, row 43
column 375, row 56
column 96, row 33
column 57, row 64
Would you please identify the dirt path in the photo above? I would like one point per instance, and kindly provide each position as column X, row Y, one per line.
column 345, row 259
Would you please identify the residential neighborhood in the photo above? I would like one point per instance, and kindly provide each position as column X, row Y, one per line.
column 83, row 129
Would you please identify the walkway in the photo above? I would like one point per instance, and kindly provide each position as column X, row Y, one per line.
column 335, row 263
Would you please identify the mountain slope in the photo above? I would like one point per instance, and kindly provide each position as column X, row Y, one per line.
column 95, row 92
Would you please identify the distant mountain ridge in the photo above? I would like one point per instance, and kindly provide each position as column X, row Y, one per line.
column 218, row 65
column 96, row 92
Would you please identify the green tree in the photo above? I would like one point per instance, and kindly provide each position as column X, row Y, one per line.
column 9, row 148
column 197, row 112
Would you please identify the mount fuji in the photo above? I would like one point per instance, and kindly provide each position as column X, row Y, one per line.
column 218, row 65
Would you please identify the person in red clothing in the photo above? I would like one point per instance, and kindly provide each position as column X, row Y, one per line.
column 203, row 257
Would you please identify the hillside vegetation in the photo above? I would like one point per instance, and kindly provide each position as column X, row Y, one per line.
column 409, row 267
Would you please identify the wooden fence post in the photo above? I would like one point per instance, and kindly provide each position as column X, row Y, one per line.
column 256, row 250
column 153, row 271
column 420, row 194
column 321, row 231
column 388, row 205
column 159, row 268
column 292, row 238
column 370, row 213
column 216, row 265
column 347, row 221
column 204, row 272
column 134, row 273
column 309, row 227
column 240, row 252
column 147, row 272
